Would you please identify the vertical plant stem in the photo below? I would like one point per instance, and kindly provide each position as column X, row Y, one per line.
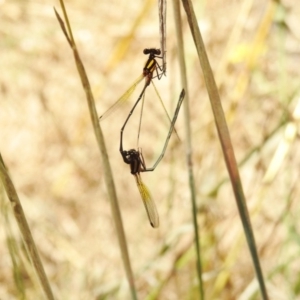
column 101, row 144
column 225, row 140
column 25, row 230
column 189, row 149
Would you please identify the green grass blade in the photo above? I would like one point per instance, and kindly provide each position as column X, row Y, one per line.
column 24, row 228
column 189, row 149
column 225, row 140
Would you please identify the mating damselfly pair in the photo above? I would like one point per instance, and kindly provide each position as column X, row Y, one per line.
column 134, row 157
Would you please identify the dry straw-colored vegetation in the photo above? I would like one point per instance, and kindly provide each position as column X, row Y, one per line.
column 49, row 147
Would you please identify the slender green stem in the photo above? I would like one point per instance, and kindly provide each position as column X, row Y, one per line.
column 225, row 141
column 189, row 149
column 25, row 230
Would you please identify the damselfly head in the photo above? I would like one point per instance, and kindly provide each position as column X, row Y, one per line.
column 152, row 51
column 131, row 154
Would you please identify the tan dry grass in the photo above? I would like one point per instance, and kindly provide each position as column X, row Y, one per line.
column 49, row 147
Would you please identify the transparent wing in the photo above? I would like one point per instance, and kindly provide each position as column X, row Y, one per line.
column 148, row 202
column 122, row 99
column 162, row 103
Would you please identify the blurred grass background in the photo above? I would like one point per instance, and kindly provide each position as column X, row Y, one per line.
column 47, row 142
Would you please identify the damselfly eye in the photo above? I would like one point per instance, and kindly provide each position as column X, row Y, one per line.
column 146, row 51
column 157, row 51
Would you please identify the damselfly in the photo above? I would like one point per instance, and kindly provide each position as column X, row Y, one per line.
column 137, row 165
column 151, row 70
column 150, row 67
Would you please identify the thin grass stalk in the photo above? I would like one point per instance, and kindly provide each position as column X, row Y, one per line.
column 214, row 191
column 189, row 148
column 25, row 230
column 101, row 144
column 225, row 140
column 12, row 246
